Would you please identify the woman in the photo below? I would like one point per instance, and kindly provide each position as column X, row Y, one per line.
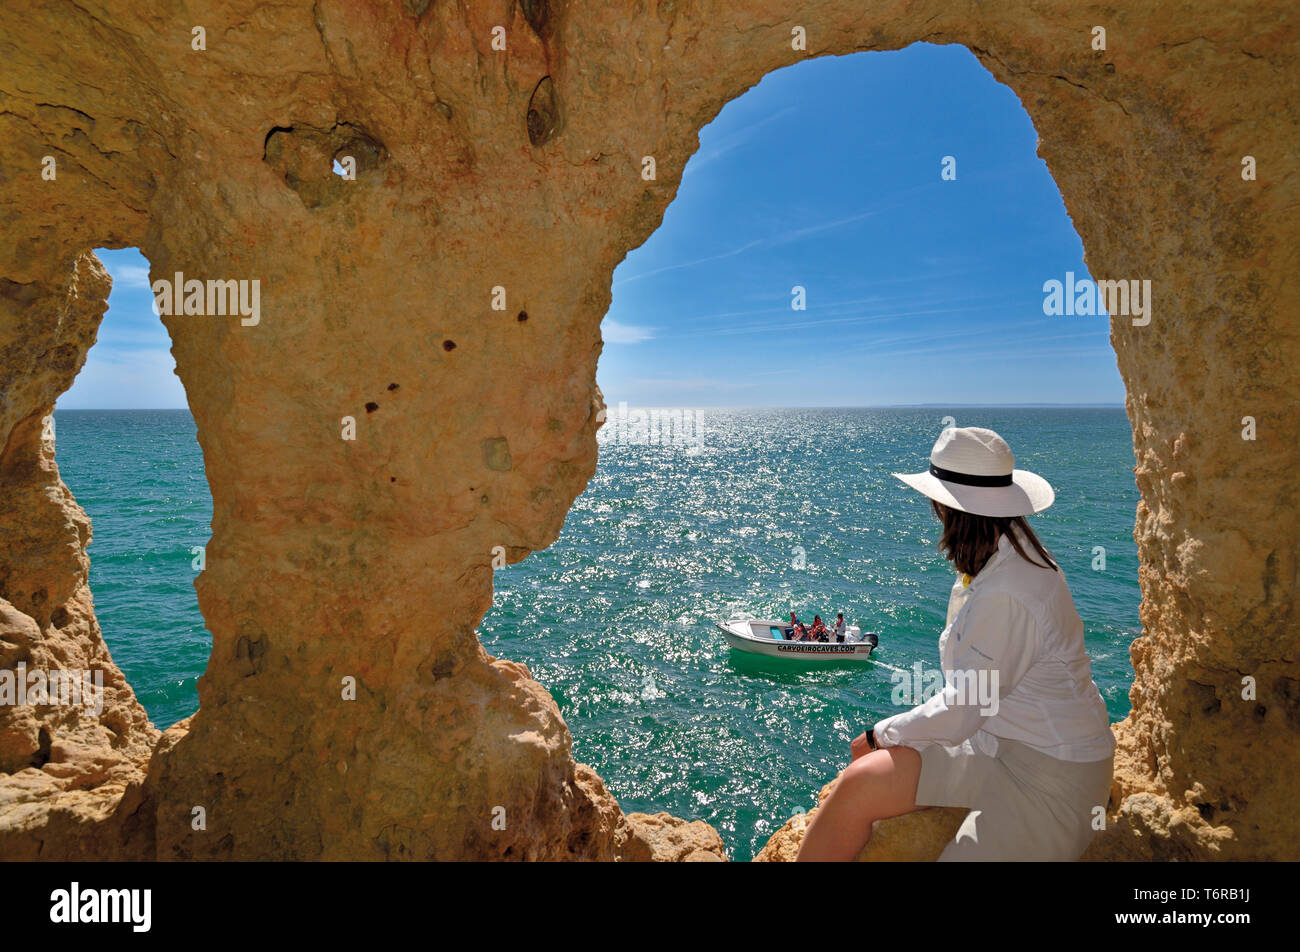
column 1019, row 734
column 818, row 629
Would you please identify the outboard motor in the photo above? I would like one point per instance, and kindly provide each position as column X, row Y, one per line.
column 871, row 638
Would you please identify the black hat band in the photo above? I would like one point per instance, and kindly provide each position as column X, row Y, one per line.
column 966, row 479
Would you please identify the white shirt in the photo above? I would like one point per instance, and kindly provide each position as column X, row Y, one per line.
column 1014, row 626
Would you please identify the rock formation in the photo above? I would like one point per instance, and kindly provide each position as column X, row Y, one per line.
column 445, row 305
column 665, row 839
column 913, row 837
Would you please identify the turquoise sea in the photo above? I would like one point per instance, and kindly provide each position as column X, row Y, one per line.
column 763, row 511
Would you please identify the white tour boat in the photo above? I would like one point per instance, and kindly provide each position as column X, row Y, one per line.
column 773, row 639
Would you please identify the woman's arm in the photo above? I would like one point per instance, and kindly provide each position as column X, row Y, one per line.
column 992, row 650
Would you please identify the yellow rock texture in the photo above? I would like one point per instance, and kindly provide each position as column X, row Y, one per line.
column 913, row 837
column 661, row 838
column 514, row 177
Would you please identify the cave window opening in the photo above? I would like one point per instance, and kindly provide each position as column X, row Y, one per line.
column 126, row 447
column 856, row 257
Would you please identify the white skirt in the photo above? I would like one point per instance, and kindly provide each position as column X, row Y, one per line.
column 1025, row 805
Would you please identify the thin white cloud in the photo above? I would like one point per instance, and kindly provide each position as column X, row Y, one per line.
column 139, row 379
column 144, row 337
column 129, row 275
column 816, row 229
column 732, row 142
column 773, row 241
column 802, row 325
column 666, row 384
column 616, row 333
column 690, row 264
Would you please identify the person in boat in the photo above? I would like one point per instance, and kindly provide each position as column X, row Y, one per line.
column 1029, row 752
column 797, row 629
column 818, row 632
column 839, row 627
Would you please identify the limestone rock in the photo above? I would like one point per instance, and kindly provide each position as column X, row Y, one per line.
column 370, row 558
column 661, row 838
column 913, row 837
column 63, row 766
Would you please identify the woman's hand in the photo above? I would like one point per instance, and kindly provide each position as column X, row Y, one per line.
column 859, row 746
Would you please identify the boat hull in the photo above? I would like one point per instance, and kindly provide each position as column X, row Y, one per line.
column 805, row 651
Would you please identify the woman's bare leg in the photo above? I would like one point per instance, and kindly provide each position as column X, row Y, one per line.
column 875, row 786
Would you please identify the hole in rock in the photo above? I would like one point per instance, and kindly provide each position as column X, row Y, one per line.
column 543, row 115
column 818, row 298
column 537, row 13
column 44, row 746
column 126, row 446
column 321, row 164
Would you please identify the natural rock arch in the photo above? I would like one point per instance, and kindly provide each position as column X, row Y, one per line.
column 371, row 558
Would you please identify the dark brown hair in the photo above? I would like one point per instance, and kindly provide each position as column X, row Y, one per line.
column 969, row 541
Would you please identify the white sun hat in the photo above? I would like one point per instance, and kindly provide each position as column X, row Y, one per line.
column 972, row 469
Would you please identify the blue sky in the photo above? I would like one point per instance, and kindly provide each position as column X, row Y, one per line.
column 131, row 365
column 826, row 175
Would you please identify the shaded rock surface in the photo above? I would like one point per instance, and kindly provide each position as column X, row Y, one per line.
column 63, row 766
column 368, row 561
column 913, row 837
column 661, row 838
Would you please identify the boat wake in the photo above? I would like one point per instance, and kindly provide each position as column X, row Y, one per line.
column 891, row 667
